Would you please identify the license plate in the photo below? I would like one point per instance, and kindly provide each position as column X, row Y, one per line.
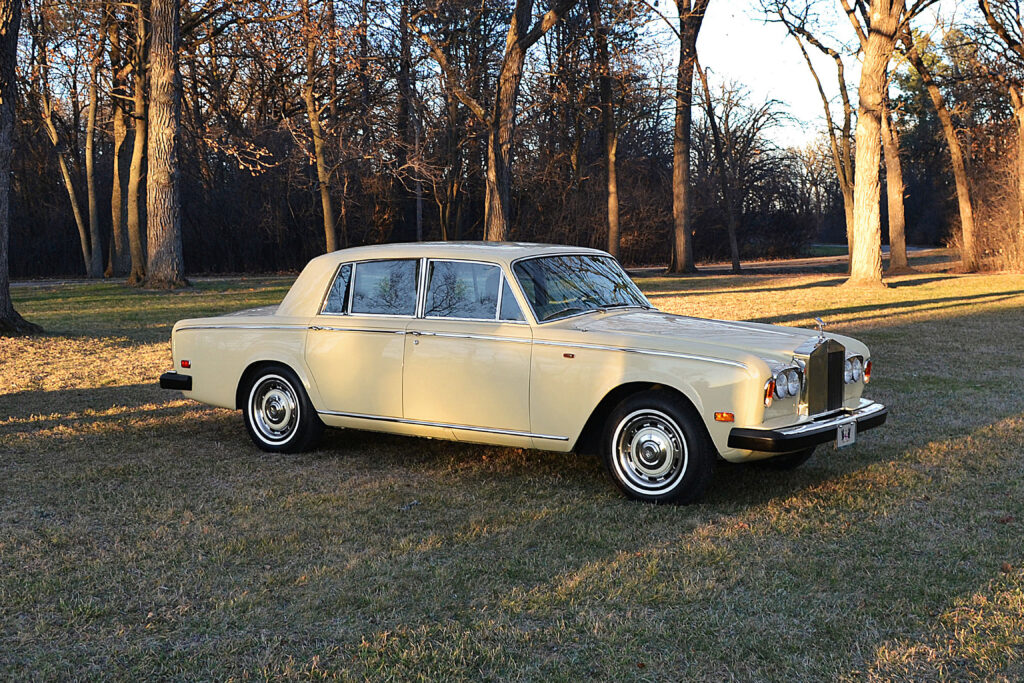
column 846, row 434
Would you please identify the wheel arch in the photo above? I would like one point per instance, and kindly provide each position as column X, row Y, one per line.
column 589, row 438
column 255, row 366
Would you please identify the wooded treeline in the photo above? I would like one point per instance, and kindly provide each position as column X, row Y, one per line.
column 308, row 125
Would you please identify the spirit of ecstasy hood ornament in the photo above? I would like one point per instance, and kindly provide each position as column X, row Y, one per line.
column 821, row 329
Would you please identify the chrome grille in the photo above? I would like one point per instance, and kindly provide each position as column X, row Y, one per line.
column 825, row 377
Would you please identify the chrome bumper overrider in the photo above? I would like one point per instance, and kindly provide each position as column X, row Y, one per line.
column 867, row 415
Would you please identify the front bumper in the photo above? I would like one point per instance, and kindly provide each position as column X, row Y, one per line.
column 173, row 380
column 867, row 415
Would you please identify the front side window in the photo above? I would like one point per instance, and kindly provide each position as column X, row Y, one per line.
column 337, row 298
column 385, row 287
column 560, row 286
column 509, row 308
column 457, row 289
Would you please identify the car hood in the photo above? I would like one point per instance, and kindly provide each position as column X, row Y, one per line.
column 667, row 332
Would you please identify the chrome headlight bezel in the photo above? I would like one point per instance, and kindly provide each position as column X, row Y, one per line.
column 853, row 369
column 789, row 382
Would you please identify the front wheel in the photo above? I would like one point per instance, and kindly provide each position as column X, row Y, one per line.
column 278, row 414
column 657, row 450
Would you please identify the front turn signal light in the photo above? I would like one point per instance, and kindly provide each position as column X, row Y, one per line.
column 867, row 372
column 725, row 417
column 769, row 392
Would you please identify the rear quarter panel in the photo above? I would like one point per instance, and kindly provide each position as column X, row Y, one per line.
column 221, row 349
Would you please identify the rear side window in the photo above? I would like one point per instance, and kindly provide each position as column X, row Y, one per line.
column 385, row 287
column 458, row 289
column 337, row 298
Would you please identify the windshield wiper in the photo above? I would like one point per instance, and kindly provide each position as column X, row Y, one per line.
column 568, row 309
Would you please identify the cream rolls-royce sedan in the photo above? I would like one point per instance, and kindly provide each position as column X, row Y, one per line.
column 528, row 346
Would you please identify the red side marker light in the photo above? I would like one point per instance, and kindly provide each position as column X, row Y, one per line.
column 186, row 363
column 725, row 417
column 568, row 355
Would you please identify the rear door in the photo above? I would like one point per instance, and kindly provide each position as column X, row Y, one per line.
column 356, row 344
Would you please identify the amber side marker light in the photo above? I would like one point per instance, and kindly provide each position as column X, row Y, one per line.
column 867, row 372
column 186, row 363
column 725, row 417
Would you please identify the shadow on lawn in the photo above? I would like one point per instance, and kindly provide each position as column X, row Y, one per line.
column 857, row 549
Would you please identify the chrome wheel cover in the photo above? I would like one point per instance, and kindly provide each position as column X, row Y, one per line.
column 274, row 409
column 649, row 452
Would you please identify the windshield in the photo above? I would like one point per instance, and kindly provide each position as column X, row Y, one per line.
column 561, row 286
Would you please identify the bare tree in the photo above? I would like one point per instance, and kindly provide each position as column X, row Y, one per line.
column 500, row 121
column 92, row 200
column 118, row 263
column 691, row 16
column 164, row 265
column 135, row 204
column 609, row 131
column 10, row 23
column 1003, row 17
column 894, row 195
column 877, row 27
column 968, row 253
column 796, row 24
column 311, row 35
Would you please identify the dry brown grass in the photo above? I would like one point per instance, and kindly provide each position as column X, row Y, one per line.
column 142, row 535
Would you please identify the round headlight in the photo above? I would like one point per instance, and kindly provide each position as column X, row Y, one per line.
column 781, row 386
column 857, row 367
column 793, row 379
column 848, row 371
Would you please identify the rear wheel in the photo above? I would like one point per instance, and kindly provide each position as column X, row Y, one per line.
column 278, row 414
column 656, row 449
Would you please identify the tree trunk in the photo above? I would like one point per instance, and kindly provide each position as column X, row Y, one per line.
column 1018, row 113
column 164, row 266
column 968, row 254
column 136, row 202
column 894, row 194
column 691, row 15
column 323, row 174
column 118, row 263
column 95, row 266
column 10, row 22
column 609, row 130
column 66, row 177
column 732, row 220
column 866, row 259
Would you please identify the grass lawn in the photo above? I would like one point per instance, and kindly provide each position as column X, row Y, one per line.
column 142, row 535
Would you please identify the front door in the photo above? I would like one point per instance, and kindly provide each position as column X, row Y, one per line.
column 467, row 359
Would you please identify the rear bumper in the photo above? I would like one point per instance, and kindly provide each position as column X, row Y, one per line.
column 867, row 415
column 172, row 380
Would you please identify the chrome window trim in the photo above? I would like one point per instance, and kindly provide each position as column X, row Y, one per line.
column 599, row 254
column 645, row 352
column 445, row 425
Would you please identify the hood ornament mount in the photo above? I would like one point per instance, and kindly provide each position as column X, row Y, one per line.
column 821, row 329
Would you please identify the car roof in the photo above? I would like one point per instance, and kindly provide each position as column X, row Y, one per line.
column 304, row 297
column 498, row 252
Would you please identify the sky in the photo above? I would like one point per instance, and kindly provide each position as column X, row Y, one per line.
column 737, row 45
